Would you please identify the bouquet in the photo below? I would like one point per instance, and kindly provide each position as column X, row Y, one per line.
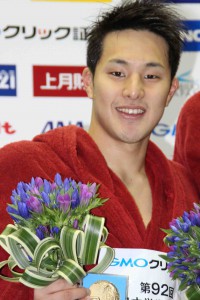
column 54, row 235
column 183, row 239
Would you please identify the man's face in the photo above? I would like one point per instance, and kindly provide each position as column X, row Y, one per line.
column 131, row 86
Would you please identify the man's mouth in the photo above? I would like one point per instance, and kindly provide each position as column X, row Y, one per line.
column 131, row 111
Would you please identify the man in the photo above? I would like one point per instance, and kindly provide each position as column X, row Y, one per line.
column 187, row 150
column 132, row 58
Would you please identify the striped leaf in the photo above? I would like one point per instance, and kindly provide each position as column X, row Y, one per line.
column 72, row 243
column 21, row 245
column 71, row 271
column 93, row 232
column 43, row 249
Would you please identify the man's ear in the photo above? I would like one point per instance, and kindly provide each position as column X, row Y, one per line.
column 173, row 89
column 87, row 78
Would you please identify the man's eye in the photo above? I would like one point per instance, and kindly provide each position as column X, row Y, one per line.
column 117, row 74
column 150, row 76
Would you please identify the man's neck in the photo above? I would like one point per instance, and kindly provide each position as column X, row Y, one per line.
column 125, row 160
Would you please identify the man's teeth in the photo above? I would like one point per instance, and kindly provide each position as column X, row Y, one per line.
column 131, row 111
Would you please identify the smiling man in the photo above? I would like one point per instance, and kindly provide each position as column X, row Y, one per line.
column 132, row 57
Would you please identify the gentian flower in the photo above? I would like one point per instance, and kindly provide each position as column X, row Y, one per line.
column 75, row 199
column 48, row 206
column 47, row 186
column 38, row 182
column 58, row 179
column 11, row 211
column 64, row 202
column 183, row 239
column 34, row 204
column 87, row 192
column 45, row 198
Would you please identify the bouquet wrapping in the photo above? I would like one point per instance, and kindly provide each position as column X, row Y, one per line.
column 54, row 235
column 183, row 239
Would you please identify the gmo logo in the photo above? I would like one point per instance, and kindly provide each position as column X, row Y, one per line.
column 192, row 35
column 139, row 262
column 8, row 80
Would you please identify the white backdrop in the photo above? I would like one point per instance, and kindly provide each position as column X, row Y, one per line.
column 42, row 53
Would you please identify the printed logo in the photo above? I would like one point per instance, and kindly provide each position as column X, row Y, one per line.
column 8, row 80
column 52, row 125
column 192, row 36
column 162, row 130
column 58, row 33
column 6, row 127
column 184, row 1
column 187, row 85
column 58, row 81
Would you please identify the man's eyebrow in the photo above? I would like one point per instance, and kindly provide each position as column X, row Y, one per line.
column 118, row 61
column 147, row 65
column 154, row 65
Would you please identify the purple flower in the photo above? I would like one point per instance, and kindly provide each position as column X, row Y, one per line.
column 47, row 186
column 53, row 186
column 13, row 200
column 11, row 211
column 174, row 229
column 55, row 230
column 64, row 202
column 42, row 231
column 35, row 191
column 67, row 184
column 38, row 182
column 58, row 179
column 23, row 210
column 197, row 207
column 45, row 198
column 75, row 199
column 187, row 220
column 197, row 219
column 21, row 192
column 34, row 204
column 176, row 223
column 185, row 227
column 87, row 192
column 75, row 224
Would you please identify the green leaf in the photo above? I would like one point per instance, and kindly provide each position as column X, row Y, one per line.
column 93, row 232
column 7, row 231
column 22, row 244
column 72, row 243
column 105, row 261
column 193, row 292
column 43, row 248
column 34, row 279
column 71, row 271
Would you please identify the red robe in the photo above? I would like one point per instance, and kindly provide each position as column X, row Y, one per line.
column 71, row 152
column 187, row 145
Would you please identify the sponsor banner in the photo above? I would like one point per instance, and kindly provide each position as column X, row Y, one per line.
column 58, row 81
column 184, row 1
column 55, row 33
column 192, row 36
column 8, row 85
column 99, row 1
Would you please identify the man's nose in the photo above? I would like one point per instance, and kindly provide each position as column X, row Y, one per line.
column 133, row 87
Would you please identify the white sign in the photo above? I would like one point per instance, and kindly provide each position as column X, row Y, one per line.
column 147, row 273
